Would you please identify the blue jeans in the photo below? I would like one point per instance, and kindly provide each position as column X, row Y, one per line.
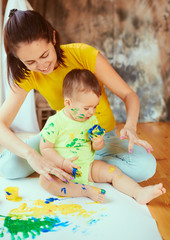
column 139, row 165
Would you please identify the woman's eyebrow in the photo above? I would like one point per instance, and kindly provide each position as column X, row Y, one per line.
column 39, row 57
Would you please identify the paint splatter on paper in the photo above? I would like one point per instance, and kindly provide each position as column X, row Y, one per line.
column 33, row 218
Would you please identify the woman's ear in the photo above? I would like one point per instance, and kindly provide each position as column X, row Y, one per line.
column 67, row 102
column 54, row 39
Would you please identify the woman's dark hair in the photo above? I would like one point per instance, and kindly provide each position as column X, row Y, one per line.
column 80, row 80
column 26, row 27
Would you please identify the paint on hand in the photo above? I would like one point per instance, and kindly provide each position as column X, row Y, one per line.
column 96, row 131
column 111, row 169
column 76, row 173
column 11, row 194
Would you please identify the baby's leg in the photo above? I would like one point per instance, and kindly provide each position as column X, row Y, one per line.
column 57, row 187
column 104, row 172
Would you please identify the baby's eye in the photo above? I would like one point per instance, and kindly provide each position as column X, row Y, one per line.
column 44, row 56
column 86, row 109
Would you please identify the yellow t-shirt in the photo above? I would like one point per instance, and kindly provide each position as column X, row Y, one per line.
column 77, row 55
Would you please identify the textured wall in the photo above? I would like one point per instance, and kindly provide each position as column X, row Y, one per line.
column 133, row 35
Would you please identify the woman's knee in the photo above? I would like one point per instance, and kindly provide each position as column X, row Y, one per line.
column 148, row 167
column 144, row 167
column 141, row 164
column 13, row 167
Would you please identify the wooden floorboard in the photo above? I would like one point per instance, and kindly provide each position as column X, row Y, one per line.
column 158, row 135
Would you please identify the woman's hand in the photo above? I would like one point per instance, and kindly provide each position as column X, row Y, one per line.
column 46, row 168
column 130, row 134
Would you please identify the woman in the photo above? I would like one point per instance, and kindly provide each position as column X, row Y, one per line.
column 36, row 60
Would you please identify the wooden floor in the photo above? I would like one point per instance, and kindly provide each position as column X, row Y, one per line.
column 158, row 135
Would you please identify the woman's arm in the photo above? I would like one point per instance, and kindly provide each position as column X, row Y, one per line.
column 111, row 79
column 8, row 112
column 9, row 140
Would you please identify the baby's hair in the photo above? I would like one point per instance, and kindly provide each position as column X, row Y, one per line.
column 80, row 80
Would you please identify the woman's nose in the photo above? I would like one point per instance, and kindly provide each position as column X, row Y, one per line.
column 41, row 65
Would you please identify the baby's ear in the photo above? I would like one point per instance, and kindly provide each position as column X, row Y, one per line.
column 67, row 102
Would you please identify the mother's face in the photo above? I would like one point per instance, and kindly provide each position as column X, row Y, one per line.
column 38, row 56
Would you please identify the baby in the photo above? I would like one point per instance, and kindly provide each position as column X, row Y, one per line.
column 66, row 141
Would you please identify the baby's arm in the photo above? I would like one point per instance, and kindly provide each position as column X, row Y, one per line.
column 48, row 151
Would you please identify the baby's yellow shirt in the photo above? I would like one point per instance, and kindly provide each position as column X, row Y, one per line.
column 77, row 55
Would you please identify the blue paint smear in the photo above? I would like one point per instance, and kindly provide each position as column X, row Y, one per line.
column 48, row 200
column 75, row 228
column 8, row 193
column 63, row 190
column 93, row 221
column 74, row 172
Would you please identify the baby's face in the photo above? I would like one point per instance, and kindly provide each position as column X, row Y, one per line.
column 83, row 106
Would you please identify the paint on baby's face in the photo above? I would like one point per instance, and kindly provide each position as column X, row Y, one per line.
column 83, row 106
column 76, row 114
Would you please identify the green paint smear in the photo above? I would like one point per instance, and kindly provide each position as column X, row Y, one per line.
column 81, row 116
column 77, row 145
column 75, row 110
column 31, row 226
column 72, row 143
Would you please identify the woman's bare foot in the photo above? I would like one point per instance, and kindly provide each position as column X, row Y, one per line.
column 94, row 193
column 146, row 194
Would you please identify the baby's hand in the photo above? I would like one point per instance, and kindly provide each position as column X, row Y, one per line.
column 68, row 164
column 97, row 140
column 96, row 131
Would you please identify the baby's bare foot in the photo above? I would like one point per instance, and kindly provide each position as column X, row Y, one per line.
column 146, row 194
column 94, row 193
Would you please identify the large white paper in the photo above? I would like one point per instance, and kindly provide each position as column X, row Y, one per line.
column 120, row 217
